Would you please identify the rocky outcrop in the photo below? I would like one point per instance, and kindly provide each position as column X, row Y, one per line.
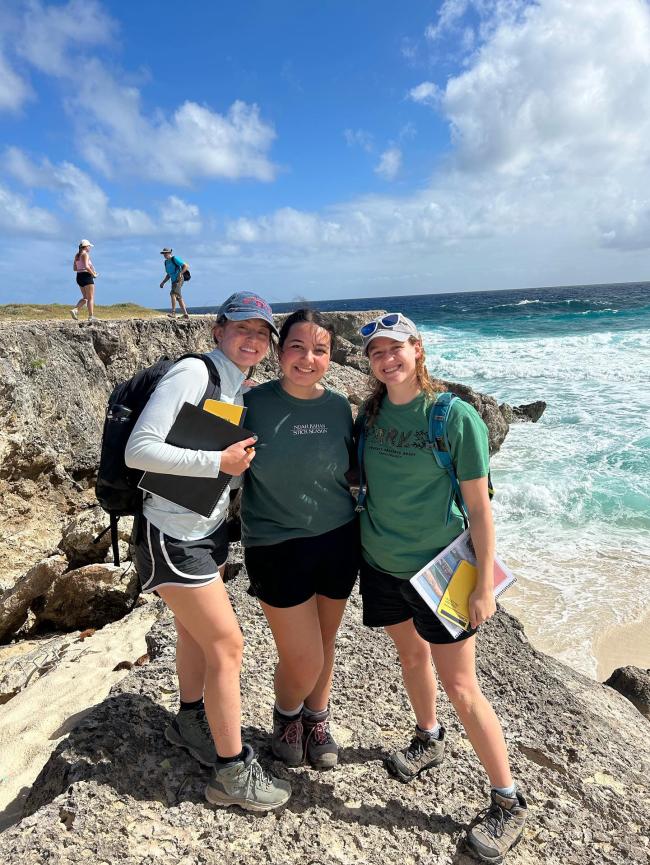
column 55, row 379
column 634, row 684
column 16, row 602
column 530, row 411
column 115, row 791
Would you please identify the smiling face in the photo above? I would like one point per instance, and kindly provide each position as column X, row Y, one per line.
column 245, row 343
column 393, row 362
column 304, row 359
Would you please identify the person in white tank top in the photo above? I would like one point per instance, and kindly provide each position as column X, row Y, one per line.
column 85, row 273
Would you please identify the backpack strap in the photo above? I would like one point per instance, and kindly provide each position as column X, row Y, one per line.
column 361, row 443
column 441, row 450
column 213, row 390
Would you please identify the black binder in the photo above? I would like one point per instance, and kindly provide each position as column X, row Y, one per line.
column 195, row 429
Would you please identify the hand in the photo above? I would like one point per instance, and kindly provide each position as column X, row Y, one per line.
column 237, row 458
column 482, row 606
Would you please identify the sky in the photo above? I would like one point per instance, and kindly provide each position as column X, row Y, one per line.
column 323, row 149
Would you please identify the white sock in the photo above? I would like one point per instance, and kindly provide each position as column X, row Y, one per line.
column 289, row 713
column 310, row 713
column 507, row 792
column 433, row 733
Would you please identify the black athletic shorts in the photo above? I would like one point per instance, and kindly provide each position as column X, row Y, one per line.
column 389, row 600
column 165, row 561
column 84, row 279
column 292, row 572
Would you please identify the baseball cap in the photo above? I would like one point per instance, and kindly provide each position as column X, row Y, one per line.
column 166, row 251
column 84, row 242
column 393, row 325
column 244, row 305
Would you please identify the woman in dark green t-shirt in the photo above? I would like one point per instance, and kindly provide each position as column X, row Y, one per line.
column 300, row 532
column 404, row 525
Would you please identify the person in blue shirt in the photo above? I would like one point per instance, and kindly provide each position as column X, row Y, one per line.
column 175, row 268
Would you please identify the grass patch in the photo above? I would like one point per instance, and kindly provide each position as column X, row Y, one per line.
column 61, row 312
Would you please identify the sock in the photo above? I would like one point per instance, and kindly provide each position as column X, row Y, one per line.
column 194, row 706
column 433, row 733
column 223, row 761
column 291, row 713
column 509, row 792
column 310, row 713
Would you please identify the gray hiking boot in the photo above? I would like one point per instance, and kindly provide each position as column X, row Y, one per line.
column 498, row 828
column 247, row 784
column 190, row 730
column 286, row 742
column 320, row 748
column 423, row 753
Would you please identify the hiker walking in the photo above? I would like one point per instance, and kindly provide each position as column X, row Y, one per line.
column 181, row 555
column 175, row 269
column 300, row 532
column 85, row 275
column 407, row 520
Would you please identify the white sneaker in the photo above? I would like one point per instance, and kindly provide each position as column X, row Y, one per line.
column 74, row 314
column 92, row 319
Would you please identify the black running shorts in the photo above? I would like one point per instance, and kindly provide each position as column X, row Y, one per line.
column 292, row 572
column 165, row 561
column 389, row 600
column 84, row 279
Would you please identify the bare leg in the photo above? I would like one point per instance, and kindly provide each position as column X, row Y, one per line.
column 190, row 665
column 417, row 672
column 456, row 668
column 81, row 303
column 90, row 297
column 207, row 615
column 297, row 635
column 172, row 297
column 330, row 613
column 181, row 303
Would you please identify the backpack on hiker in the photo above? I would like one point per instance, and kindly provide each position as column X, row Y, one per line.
column 186, row 273
column 117, row 488
column 440, row 448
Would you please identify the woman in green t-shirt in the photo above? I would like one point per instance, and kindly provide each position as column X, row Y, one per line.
column 404, row 525
column 300, row 532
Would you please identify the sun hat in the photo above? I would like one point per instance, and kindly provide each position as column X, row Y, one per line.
column 393, row 325
column 166, row 251
column 244, row 305
column 84, row 242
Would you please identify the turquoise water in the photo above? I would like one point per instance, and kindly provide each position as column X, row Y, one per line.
column 572, row 506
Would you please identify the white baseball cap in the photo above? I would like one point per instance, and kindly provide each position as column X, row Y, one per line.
column 84, row 242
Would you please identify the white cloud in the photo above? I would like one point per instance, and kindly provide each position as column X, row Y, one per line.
column 14, row 91
column 48, row 31
column 359, row 138
column 89, row 207
column 449, row 14
column 389, row 163
column 17, row 216
column 286, row 226
column 426, row 93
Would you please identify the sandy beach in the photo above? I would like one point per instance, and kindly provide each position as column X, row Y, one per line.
column 623, row 646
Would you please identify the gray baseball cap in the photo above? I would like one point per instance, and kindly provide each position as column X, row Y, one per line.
column 393, row 325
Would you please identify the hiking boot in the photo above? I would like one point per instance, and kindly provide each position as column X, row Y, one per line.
column 498, row 828
column 423, row 753
column 74, row 313
column 190, row 730
column 286, row 742
column 171, row 315
column 247, row 784
column 320, row 748
column 186, row 316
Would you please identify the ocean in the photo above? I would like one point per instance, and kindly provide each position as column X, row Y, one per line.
column 572, row 503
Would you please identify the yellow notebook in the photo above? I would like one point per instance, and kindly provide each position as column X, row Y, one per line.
column 454, row 604
column 226, row 410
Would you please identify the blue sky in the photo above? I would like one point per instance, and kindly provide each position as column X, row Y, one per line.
column 326, row 149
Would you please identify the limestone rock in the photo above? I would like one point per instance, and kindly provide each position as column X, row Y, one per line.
column 634, row 684
column 28, row 662
column 88, row 597
column 530, row 411
column 489, row 410
column 16, row 601
column 78, row 542
column 115, row 791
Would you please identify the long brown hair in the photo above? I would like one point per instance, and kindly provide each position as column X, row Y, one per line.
column 429, row 386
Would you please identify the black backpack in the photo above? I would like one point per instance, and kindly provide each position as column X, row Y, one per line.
column 186, row 273
column 117, row 485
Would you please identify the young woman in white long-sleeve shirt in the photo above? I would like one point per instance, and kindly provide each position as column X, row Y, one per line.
column 180, row 555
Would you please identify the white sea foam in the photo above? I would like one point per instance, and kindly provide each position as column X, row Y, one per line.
column 573, row 492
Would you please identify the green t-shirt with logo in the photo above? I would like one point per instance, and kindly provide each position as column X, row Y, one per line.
column 296, row 486
column 404, row 523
